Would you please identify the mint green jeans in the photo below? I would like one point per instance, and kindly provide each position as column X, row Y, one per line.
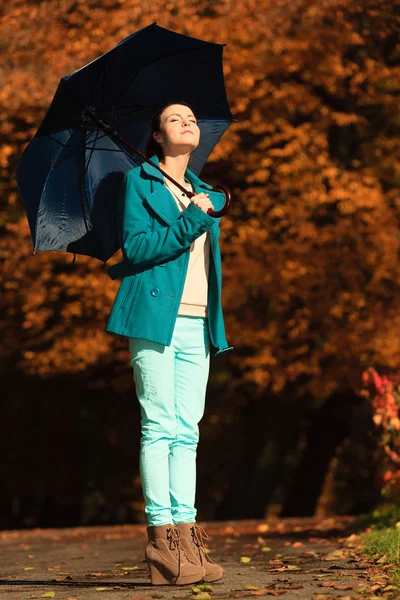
column 171, row 386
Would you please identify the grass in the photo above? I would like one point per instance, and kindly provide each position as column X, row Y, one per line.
column 380, row 536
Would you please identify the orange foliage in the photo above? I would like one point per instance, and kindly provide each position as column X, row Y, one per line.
column 311, row 244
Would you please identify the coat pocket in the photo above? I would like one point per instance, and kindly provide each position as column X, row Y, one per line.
column 131, row 286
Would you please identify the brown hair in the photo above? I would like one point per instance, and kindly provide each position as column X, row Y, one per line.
column 153, row 147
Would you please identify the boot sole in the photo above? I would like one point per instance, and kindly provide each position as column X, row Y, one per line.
column 211, row 578
column 158, row 578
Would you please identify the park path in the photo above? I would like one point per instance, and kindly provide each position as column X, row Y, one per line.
column 308, row 558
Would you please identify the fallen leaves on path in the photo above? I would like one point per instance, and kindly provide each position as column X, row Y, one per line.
column 336, row 586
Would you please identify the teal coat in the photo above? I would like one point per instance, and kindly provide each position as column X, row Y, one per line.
column 155, row 239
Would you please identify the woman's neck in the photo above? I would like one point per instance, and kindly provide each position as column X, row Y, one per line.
column 175, row 166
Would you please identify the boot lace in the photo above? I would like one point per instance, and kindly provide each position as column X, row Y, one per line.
column 174, row 536
column 199, row 535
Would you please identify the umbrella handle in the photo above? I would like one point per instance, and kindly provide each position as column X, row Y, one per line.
column 228, row 199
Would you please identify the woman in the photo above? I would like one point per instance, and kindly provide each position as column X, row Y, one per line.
column 168, row 305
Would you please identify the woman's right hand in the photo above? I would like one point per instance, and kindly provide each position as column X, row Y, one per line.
column 202, row 201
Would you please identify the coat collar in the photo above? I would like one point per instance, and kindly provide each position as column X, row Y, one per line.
column 156, row 174
column 160, row 198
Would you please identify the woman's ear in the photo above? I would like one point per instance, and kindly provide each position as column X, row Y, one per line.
column 157, row 137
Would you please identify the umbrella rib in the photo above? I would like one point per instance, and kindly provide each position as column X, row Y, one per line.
column 82, row 192
column 56, row 141
column 98, row 130
column 87, row 164
column 107, row 150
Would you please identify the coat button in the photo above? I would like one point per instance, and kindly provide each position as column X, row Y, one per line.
column 154, row 292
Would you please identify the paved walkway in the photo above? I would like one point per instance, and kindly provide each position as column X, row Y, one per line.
column 291, row 558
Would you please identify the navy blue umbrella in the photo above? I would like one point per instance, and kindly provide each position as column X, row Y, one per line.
column 97, row 128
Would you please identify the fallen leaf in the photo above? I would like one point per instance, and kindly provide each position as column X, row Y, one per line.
column 205, row 587
column 250, row 587
column 336, row 586
column 291, row 586
column 383, row 559
column 390, row 588
column 379, row 578
column 245, row 559
column 261, row 540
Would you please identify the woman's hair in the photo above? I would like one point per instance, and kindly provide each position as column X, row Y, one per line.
column 153, row 147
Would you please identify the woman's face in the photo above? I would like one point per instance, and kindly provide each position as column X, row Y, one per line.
column 179, row 132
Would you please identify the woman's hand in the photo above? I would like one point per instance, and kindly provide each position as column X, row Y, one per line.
column 202, row 201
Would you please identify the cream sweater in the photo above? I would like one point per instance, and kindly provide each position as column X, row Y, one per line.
column 194, row 297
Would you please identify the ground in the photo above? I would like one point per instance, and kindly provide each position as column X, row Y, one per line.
column 312, row 559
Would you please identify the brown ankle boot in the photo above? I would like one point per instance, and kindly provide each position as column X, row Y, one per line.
column 166, row 558
column 192, row 540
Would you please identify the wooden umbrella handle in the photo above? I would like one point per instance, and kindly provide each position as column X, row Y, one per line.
column 228, row 199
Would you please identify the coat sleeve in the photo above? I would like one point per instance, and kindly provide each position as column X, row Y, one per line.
column 142, row 247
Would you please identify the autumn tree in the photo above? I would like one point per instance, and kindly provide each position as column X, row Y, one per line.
column 311, row 243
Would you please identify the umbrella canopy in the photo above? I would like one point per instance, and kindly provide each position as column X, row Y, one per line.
column 70, row 173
